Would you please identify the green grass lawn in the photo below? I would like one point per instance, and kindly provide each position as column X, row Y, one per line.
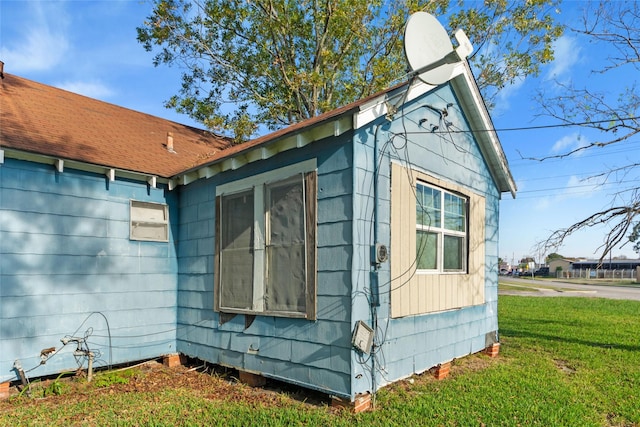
column 578, row 281
column 563, row 362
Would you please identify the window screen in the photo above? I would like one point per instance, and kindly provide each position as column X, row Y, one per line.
column 237, row 250
column 266, row 248
column 285, row 247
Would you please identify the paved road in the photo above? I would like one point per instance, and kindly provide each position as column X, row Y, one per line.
column 547, row 288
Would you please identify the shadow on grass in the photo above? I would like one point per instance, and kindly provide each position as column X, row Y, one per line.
column 519, row 333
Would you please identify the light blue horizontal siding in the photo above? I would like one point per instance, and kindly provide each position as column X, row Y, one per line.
column 65, row 253
column 455, row 334
column 334, row 233
column 334, row 283
column 72, row 284
column 336, row 208
column 65, row 256
column 315, row 354
column 417, row 343
column 202, row 300
column 32, row 306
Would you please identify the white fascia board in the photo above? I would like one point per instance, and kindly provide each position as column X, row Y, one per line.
column 476, row 112
column 58, row 163
column 208, row 171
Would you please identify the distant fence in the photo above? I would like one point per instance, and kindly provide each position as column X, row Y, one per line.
column 591, row 273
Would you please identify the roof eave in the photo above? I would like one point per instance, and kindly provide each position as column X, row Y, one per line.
column 468, row 92
column 356, row 115
column 268, row 146
column 61, row 163
column 333, row 123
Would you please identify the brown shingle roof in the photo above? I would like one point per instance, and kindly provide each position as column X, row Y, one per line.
column 296, row 128
column 41, row 119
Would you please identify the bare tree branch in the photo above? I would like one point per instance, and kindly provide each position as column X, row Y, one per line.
column 620, row 218
column 615, row 25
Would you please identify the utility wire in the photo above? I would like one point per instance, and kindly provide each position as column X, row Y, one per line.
column 550, row 177
column 523, row 128
column 529, row 161
column 578, row 186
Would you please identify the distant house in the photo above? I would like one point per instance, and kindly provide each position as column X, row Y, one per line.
column 606, row 264
column 341, row 253
column 559, row 265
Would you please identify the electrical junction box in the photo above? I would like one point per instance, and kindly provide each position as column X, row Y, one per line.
column 379, row 253
column 362, row 337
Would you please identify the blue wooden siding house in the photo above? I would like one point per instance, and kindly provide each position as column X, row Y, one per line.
column 341, row 253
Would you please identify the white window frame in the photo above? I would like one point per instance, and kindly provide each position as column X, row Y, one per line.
column 441, row 231
column 148, row 214
column 258, row 184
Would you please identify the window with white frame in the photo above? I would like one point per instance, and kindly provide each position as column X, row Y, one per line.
column 441, row 230
column 266, row 245
column 149, row 221
column 437, row 247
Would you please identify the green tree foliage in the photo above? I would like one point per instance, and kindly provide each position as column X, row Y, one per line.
column 553, row 256
column 635, row 237
column 277, row 62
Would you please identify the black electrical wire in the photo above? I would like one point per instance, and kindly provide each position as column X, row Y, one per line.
column 539, row 127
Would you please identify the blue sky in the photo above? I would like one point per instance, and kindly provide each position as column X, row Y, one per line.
column 90, row 47
column 558, row 192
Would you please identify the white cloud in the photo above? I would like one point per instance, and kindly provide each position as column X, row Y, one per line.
column 567, row 55
column 581, row 187
column 43, row 40
column 543, row 204
column 506, row 94
column 92, row 89
column 575, row 188
column 570, row 143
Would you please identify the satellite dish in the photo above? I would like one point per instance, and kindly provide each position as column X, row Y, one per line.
column 429, row 51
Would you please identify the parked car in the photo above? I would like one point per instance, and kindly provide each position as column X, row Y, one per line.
column 542, row 271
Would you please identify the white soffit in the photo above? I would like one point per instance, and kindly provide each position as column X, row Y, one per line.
column 62, row 165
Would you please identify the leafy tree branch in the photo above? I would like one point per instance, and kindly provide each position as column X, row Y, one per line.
column 271, row 63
